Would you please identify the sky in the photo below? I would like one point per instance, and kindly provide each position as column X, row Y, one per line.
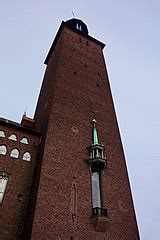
column 131, row 31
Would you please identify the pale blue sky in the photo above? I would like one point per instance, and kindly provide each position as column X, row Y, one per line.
column 131, row 31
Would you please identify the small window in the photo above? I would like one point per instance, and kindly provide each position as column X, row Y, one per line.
column 3, row 184
column 2, row 133
column 13, row 137
column 79, row 26
column 27, row 156
column 24, row 140
column 3, row 150
column 14, row 153
column 20, row 197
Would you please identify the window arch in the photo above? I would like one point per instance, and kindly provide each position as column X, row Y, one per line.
column 3, row 150
column 13, row 137
column 24, row 140
column 27, row 156
column 2, row 133
column 15, row 153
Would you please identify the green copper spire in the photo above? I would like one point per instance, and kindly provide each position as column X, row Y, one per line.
column 95, row 139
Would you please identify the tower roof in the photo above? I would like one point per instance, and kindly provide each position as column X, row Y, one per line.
column 75, row 25
column 95, row 139
column 78, row 25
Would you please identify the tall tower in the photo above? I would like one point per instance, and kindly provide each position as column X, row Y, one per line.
column 63, row 174
column 83, row 190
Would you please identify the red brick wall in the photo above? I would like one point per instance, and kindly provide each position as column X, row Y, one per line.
column 13, row 208
column 79, row 91
column 47, row 91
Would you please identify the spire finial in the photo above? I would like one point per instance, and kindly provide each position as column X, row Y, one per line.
column 94, row 133
column 25, row 112
column 73, row 14
column 94, row 122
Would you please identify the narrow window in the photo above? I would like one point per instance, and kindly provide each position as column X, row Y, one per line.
column 27, row 156
column 13, row 137
column 77, row 26
column 24, row 140
column 2, row 133
column 96, row 193
column 73, row 203
column 3, row 184
column 3, row 150
column 14, row 153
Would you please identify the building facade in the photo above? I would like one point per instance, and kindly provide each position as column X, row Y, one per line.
column 63, row 173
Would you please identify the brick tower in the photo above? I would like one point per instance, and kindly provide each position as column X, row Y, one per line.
column 77, row 185
column 84, row 190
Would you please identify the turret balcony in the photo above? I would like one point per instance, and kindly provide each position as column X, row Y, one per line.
column 97, row 211
column 97, row 164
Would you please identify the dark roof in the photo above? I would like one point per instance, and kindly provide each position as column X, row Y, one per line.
column 18, row 126
column 69, row 25
column 72, row 23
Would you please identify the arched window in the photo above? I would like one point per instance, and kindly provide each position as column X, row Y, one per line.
column 3, row 184
column 15, row 153
column 3, row 150
column 2, row 133
column 27, row 156
column 24, row 140
column 13, row 137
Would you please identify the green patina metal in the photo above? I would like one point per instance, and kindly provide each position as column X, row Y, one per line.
column 95, row 139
